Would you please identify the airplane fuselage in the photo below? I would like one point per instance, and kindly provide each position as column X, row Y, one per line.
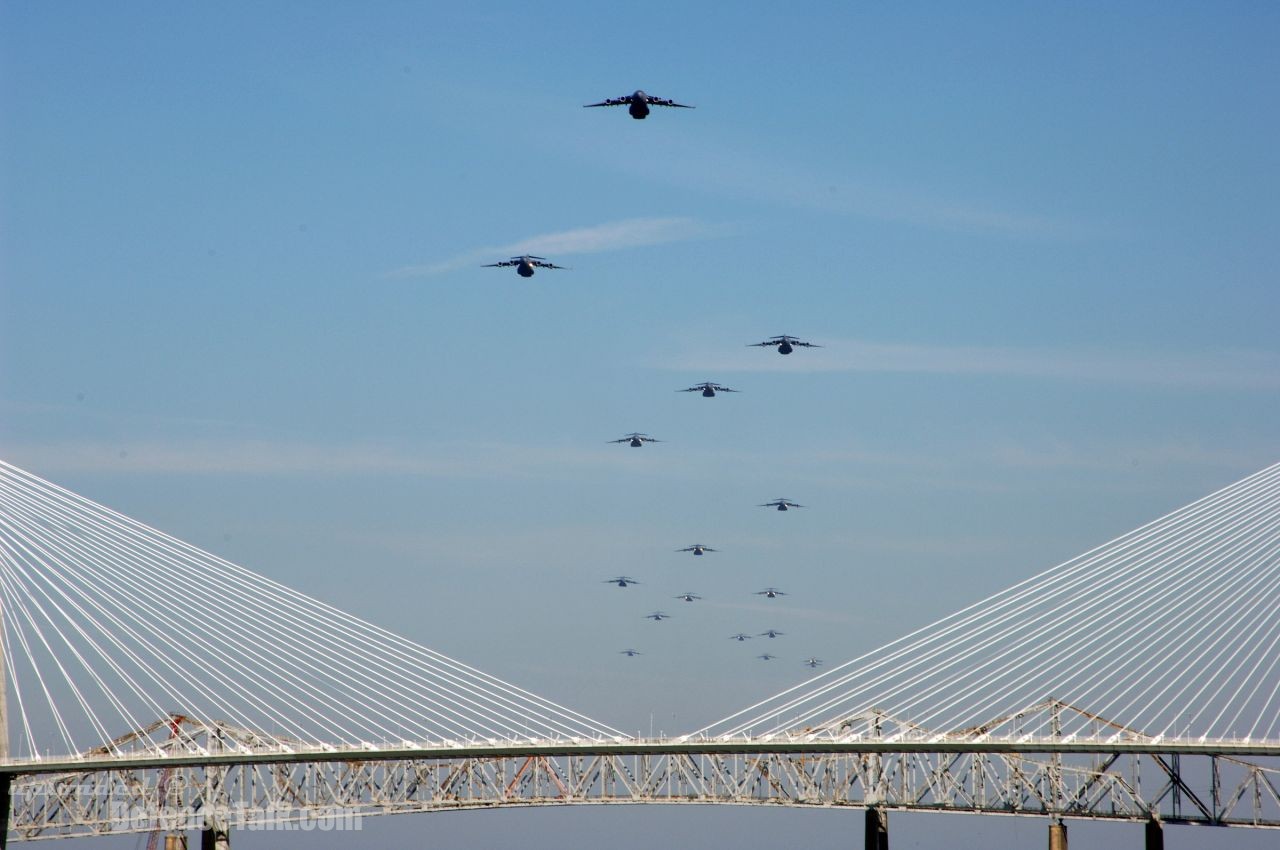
column 707, row 392
column 525, row 269
column 639, row 107
column 782, row 507
column 785, row 348
column 636, row 443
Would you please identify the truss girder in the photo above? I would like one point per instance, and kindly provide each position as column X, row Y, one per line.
column 1211, row 790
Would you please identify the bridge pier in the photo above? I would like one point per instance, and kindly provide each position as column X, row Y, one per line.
column 1057, row 835
column 877, row 829
column 1155, row 835
column 215, row 836
column 6, row 786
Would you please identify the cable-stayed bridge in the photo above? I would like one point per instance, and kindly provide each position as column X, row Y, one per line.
column 153, row 687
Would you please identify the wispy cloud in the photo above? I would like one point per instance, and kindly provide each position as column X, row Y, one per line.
column 865, row 198
column 1160, row 454
column 1230, row 369
column 971, row 468
column 271, row 457
column 804, row 179
column 611, row 236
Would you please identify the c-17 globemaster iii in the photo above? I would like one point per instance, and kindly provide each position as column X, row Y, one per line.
column 781, row 504
column 525, row 264
column 638, row 103
column 785, row 344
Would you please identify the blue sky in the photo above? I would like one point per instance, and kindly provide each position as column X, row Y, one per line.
column 241, row 301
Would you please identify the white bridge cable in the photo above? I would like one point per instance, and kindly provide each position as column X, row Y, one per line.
column 132, row 621
column 1074, row 605
column 1259, row 678
column 182, row 671
column 9, row 658
column 994, row 625
column 60, row 638
column 1230, row 627
column 1154, row 627
column 1025, row 643
column 1037, row 638
column 1164, row 629
column 1026, row 593
column 1105, row 628
column 1272, row 730
column 139, row 607
column 36, row 592
column 15, row 603
column 1110, row 665
column 1037, row 644
column 304, row 633
column 493, row 690
column 1237, row 659
column 136, row 606
column 339, row 657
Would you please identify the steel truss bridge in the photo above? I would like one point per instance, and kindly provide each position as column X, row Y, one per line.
column 1169, row 782
column 1163, row 647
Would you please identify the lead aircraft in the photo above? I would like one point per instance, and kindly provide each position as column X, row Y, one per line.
column 638, row 103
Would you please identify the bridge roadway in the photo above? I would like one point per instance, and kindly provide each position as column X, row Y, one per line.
column 1210, row 782
column 641, row 747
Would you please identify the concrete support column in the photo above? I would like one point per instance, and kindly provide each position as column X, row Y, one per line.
column 1155, row 835
column 6, row 785
column 1057, row 836
column 877, row 832
column 215, row 836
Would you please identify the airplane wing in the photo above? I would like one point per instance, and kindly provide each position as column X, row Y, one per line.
column 496, row 265
column 663, row 101
column 544, row 265
column 613, row 101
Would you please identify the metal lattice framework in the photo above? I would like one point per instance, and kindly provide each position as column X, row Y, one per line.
column 1139, row 681
column 1136, row 781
